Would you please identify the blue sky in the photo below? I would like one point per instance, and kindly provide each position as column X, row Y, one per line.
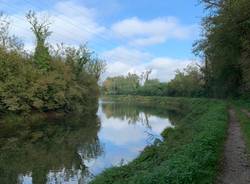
column 131, row 35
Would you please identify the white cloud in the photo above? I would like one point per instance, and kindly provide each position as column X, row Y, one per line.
column 164, row 68
column 74, row 23
column 119, row 127
column 155, row 31
column 122, row 60
column 125, row 55
column 71, row 23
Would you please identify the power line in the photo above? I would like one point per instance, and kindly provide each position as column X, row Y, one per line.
column 85, row 27
column 74, row 25
column 58, row 33
column 107, row 41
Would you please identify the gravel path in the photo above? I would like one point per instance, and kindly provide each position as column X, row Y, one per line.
column 235, row 167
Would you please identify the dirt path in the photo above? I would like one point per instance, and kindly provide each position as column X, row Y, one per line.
column 235, row 167
column 246, row 112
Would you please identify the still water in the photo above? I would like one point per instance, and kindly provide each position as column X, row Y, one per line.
column 74, row 149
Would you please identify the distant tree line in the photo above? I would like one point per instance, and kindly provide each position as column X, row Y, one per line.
column 224, row 49
column 52, row 78
column 185, row 83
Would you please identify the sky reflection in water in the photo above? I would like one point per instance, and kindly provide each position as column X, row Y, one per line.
column 124, row 132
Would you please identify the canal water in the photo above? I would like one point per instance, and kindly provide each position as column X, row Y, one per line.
column 75, row 149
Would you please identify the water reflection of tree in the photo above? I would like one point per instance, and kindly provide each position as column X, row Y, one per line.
column 134, row 113
column 40, row 146
column 121, row 111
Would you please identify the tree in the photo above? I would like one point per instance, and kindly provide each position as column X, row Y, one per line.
column 96, row 67
column 7, row 41
column 145, row 75
column 62, row 80
column 41, row 32
column 224, row 47
column 188, row 82
column 4, row 30
column 122, row 84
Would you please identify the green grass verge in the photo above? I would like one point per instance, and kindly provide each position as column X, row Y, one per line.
column 189, row 153
column 241, row 104
column 244, row 120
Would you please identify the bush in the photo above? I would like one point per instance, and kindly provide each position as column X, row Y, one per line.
column 50, row 79
column 24, row 87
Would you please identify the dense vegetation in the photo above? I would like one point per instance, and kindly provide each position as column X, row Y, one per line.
column 224, row 49
column 51, row 78
column 189, row 153
column 186, row 83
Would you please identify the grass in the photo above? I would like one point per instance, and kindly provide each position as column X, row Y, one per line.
column 189, row 153
column 244, row 120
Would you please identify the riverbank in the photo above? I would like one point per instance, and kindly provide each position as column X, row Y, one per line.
column 189, row 153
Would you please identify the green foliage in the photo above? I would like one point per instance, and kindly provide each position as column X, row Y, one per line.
column 188, row 82
column 242, row 106
column 41, row 32
column 152, row 87
column 189, row 153
column 121, row 85
column 65, row 79
column 225, row 47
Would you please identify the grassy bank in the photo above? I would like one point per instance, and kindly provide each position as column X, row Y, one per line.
column 244, row 119
column 189, row 153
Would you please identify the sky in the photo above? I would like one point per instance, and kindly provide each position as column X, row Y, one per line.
column 131, row 35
